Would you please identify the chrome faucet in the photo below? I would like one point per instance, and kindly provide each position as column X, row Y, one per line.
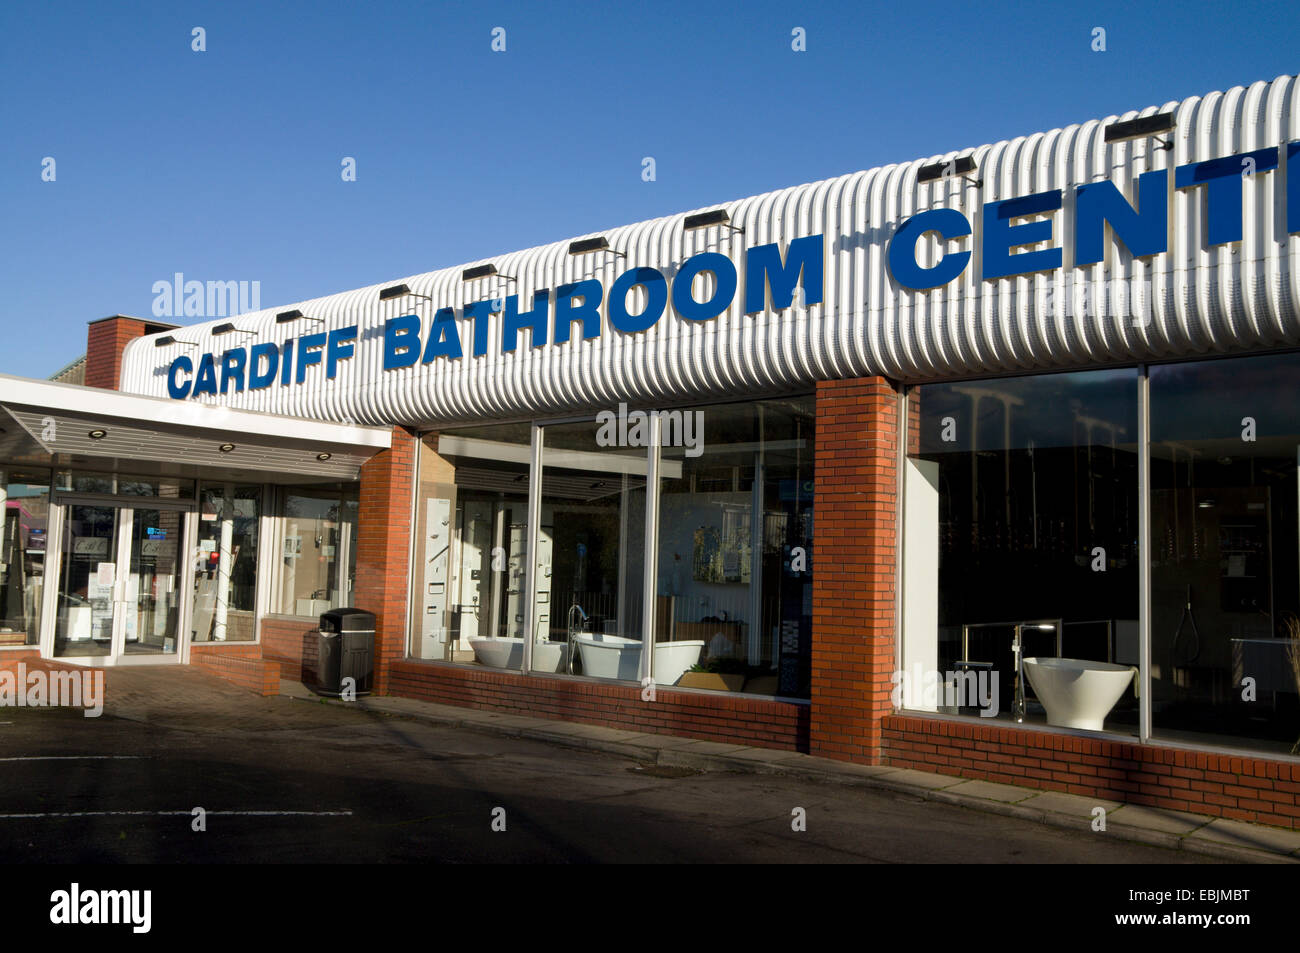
column 1017, row 650
column 570, row 630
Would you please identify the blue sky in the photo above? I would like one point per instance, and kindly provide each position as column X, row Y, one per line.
column 225, row 164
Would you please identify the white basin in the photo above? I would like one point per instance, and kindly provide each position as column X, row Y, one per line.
column 612, row 656
column 509, row 653
column 1078, row 693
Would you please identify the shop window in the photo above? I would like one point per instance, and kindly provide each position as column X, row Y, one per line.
column 471, row 546
column 225, row 571
column 1225, row 551
column 1021, row 530
column 314, row 570
column 26, row 497
column 734, row 601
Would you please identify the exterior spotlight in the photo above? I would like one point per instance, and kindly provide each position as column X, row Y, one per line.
column 167, row 340
column 962, row 166
column 284, row 317
column 322, row 457
column 226, row 447
column 1142, row 128
column 97, row 434
column 709, row 219
column 483, row 271
column 400, row 291
column 588, row 245
column 228, row 328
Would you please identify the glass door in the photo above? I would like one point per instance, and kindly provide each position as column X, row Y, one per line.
column 119, row 582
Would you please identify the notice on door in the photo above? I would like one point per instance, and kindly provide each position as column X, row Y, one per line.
column 105, row 573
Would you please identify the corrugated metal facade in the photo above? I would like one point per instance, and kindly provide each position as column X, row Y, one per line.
column 1204, row 299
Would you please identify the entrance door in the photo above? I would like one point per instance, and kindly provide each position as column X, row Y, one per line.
column 119, row 583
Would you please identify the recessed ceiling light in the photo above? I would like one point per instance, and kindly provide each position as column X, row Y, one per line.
column 322, row 457
column 226, row 447
column 97, row 434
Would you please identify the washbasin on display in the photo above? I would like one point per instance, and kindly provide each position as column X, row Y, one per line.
column 1078, row 693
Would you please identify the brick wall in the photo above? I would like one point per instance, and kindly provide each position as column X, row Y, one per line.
column 105, row 341
column 383, row 548
column 853, row 567
column 749, row 721
column 242, row 665
column 1234, row 786
column 291, row 644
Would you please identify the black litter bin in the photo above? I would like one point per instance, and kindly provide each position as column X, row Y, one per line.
column 347, row 650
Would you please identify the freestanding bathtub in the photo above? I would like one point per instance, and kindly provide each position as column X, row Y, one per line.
column 612, row 656
column 509, row 653
column 1077, row 693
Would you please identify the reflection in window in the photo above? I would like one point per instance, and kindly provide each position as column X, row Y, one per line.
column 1021, row 516
column 26, row 498
column 315, row 565
column 735, row 545
column 1225, row 550
column 225, row 572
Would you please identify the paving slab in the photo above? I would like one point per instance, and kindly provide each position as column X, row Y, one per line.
column 1256, row 836
column 1070, row 804
column 922, row 779
column 990, row 791
column 1156, row 819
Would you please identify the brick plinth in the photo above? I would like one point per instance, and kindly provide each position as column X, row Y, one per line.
column 1239, row 786
column 383, row 548
column 748, row 721
column 106, row 339
column 239, row 663
column 854, row 567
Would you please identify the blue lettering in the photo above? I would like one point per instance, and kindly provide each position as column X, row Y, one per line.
column 444, row 339
column 656, row 287
column 515, row 321
column 286, row 361
column 401, row 341
column 205, row 382
column 764, row 270
column 723, row 269
column 566, row 312
column 232, row 368
column 174, row 390
column 1293, row 187
column 1223, row 179
column 1143, row 233
column 480, row 312
column 256, row 378
column 308, row 354
column 339, row 349
column 1000, row 236
column 949, row 224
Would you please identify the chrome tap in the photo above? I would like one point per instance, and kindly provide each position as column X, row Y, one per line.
column 570, row 630
column 1017, row 650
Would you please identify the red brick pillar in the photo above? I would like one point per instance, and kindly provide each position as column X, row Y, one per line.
column 854, row 567
column 384, row 548
column 106, row 339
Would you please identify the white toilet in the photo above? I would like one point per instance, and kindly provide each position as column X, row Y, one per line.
column 1078, row 693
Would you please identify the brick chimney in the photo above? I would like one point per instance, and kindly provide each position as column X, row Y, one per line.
column 105, row 342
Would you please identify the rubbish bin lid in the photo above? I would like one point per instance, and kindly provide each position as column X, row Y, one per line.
column 347, row 619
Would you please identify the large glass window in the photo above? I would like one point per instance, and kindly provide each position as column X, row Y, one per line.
column 734, row 606
column 1225, row 551
column 225, row 571
column 22, row 554
column 315, row 566
column 471, row 541
column 590, row 577
column 1020, row 554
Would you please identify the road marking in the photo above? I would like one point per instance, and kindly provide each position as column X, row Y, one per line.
column 186, row 813
column 80, row 757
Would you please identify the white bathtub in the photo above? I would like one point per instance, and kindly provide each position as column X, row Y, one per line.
column 1078, row 693
column 612, row 656
column 509, row 653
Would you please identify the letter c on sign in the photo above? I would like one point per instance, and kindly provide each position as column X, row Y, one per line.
column 949, row 223
column 174, row 390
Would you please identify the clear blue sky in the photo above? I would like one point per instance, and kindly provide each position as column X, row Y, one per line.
column 225, row 165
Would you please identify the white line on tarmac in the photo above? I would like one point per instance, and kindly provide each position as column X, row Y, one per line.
column 185, row 813
column 80, row 757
